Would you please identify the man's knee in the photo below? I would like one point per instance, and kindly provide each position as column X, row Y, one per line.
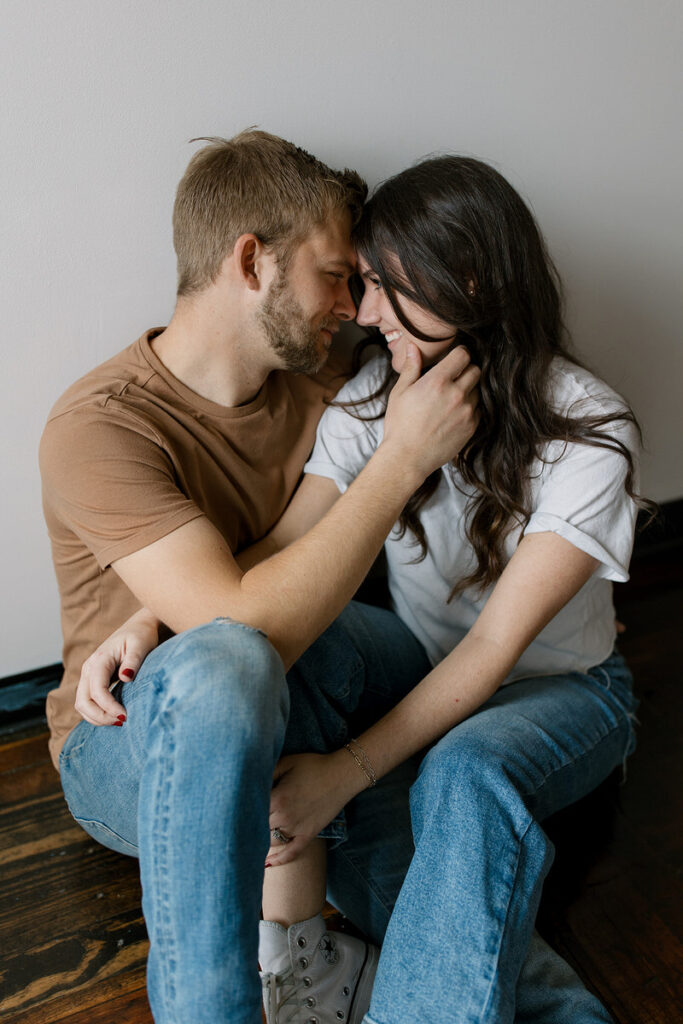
column 226, row 672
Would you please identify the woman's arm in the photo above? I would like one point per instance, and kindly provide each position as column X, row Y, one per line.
column 544, row 574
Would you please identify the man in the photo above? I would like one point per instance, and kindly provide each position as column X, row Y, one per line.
column 160, row 469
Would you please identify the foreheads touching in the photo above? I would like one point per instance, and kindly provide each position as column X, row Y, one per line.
column 258, row 184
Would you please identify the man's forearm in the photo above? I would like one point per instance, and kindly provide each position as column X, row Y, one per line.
column 295, row 594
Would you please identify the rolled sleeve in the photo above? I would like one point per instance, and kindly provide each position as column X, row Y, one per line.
column 582, row 497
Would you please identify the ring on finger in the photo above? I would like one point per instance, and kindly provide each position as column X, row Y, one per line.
column 279, row 836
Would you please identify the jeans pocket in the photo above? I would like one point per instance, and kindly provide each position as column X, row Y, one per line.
column 73, row 743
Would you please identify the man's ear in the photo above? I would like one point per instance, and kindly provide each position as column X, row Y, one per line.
column 249, row 258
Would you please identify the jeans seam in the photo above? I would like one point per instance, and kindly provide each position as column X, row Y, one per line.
column 167, row 961
column 511, row 889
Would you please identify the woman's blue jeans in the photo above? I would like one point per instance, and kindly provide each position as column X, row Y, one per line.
column 185, row 786
column 460, row 946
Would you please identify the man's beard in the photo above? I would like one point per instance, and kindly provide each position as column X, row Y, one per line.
column 290, row 333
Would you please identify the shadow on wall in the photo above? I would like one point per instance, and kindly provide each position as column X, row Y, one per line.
column 625, row 332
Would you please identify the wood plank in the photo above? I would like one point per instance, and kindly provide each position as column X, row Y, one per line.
column 74, row 895
column 28, row 750
column 625, row 951
column 37, row 779
column 109, row 956
column 91, row 1003
column 131, row 1008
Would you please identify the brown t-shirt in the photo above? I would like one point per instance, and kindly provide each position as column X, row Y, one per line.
column 129, row 454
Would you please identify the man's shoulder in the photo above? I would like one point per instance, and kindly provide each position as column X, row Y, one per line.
column 110, row 379
column 99, row 417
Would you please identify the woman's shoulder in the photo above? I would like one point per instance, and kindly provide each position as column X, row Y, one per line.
column 576, row 392
column 365, row 383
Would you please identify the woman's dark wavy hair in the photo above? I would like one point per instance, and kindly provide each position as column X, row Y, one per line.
column 452, row 235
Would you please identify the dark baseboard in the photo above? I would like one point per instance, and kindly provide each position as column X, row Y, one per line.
column 665, row 530
column 22, row 696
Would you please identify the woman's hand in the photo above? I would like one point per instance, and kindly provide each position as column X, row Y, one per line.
column 125, row 650
column 309, row 790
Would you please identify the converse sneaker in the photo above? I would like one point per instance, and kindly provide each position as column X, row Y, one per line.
column 312, row 976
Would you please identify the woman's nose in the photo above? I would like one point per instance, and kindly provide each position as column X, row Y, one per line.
column 367, row 311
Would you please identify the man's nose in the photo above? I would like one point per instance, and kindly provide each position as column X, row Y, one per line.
column 345, row 307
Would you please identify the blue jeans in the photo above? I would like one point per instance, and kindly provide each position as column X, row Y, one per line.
column 460, row 946
column 185, row 786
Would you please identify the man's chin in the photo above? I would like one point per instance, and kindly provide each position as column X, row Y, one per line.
column 319, row 362
column 310, row 362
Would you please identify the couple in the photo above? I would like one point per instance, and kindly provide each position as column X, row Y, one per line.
column 500, row 477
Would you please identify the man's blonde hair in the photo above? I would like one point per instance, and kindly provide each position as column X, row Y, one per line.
column 254, row 183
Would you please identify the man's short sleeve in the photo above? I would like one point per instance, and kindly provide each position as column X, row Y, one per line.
column 108, row 479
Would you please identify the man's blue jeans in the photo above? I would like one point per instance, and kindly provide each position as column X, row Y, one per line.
column 185, row 786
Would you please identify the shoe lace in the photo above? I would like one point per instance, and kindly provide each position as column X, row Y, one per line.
column 281, row 997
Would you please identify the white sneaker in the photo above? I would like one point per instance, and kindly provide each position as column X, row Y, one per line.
column 312, row 976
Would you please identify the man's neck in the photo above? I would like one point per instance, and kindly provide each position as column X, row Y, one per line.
column 219, row 362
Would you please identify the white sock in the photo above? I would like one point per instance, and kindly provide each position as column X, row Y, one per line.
column 273, row 948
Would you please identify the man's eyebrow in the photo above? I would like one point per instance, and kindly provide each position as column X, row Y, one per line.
column 344, row 264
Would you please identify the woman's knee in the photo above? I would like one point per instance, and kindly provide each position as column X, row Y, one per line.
column 468, row 753
column 462, row 773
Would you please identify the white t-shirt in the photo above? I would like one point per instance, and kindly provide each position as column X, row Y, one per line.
column 577, row 491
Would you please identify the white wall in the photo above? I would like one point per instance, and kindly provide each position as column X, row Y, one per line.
column 577, row 102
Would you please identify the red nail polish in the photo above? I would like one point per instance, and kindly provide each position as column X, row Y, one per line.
column 268, row 864
column 119, row 724
column 121, row 718
column 127, row 672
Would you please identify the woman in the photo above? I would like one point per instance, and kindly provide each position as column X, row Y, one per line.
column 501, row 566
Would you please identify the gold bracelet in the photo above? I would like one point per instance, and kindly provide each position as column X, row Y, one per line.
column 363, row 761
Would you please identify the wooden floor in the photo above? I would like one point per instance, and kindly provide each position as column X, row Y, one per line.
column 73, row 942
